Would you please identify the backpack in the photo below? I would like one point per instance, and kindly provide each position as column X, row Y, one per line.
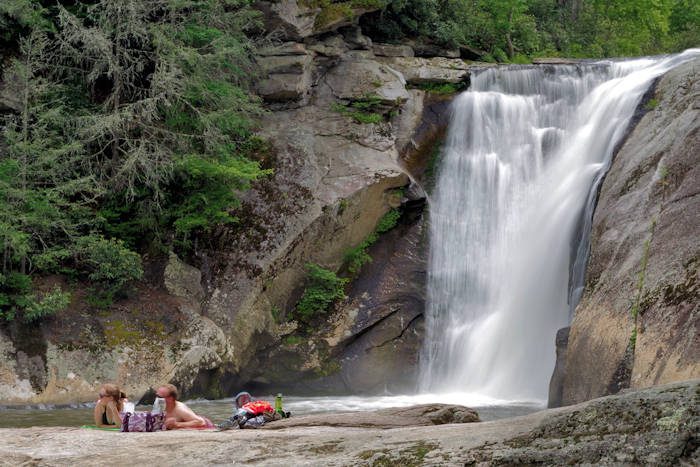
column 142, row 421
column 256, row 408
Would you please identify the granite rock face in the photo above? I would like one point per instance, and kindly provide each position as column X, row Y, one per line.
column 420, row 70
column 334, row 178
column 638, row 323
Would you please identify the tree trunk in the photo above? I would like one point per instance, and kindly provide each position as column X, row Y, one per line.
column 509, row 40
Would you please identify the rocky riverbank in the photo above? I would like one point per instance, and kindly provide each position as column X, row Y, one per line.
column 657, row 426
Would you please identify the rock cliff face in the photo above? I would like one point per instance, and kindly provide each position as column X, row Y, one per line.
column 638, row 323
column 343, row 117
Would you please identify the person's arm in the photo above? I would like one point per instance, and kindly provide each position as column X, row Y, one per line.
column 111, row 409
column 188, row 417
column 97, row 414
column 114, row 412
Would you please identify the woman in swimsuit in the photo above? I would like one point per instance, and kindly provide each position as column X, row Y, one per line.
column 108, row 407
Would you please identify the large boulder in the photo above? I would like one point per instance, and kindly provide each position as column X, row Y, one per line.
column 416, row 415
column 639, row 319
column 390, row 50
column 419, row 70
column 357, row 79
column 288, row 19
column 293, row 20
column 288, row 74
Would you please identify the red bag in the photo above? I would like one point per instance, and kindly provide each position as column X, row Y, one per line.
column 258, row 408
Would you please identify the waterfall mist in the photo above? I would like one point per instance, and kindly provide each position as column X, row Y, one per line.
column 510, row 218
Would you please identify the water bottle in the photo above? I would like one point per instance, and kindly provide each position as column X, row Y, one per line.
column 158, row 406
column 278, row 404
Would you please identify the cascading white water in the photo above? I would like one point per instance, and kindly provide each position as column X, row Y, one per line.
column 510, row 217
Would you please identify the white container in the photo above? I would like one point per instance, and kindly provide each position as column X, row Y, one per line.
column 129, row 407
column 158, row 406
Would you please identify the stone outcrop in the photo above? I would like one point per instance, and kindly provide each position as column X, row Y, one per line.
column 288, row 19
column 390, row 50
column 639, row 319
column 657, row 426
column 288, row 73
column 556, row 384
column 293, row 20
column 420, row 70
column 417, row 415
column 154, row 337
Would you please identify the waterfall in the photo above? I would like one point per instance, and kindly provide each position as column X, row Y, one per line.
column 510, row 218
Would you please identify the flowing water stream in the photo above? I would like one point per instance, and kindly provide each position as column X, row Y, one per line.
column 526, row 150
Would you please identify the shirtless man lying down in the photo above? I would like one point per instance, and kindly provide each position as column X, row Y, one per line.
column 177, row 414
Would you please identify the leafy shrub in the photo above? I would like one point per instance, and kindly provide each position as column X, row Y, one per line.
column 48, row 304
column 358, row 256
column 366, row 110
column 441, row 88
column 499, row 55
column 651, row 104
column 15, row 289
column 323, row 289
column 388, row 221
column 108, row 263
column 292, row 340
column 16, row 298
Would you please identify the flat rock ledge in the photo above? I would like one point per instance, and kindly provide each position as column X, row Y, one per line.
column 657, row 426
column 417, row 415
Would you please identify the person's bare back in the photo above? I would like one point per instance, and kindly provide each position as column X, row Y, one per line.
column 177, row 414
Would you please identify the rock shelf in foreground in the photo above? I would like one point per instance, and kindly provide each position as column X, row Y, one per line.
column 656, row 426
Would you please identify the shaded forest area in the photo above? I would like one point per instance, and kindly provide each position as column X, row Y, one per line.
column 129, row 127
column 516, row 30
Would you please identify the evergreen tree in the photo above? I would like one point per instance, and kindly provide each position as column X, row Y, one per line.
column 172, row 134
column 43, row 202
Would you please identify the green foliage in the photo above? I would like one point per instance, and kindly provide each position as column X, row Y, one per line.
column 442, row 88
column 109, row 263
column 651, row 104
column 332, row 11
column 369, row 109
column 17, row 299
column 431, row 169
column 512, row 30
column 15, row 294
column 324, row 287
column 47, row 305
column 277, row 314
column 19, row 16
column 358, row 256
column 292, row 340
column 388, row 221
column 133, row 129
column 211, row 186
